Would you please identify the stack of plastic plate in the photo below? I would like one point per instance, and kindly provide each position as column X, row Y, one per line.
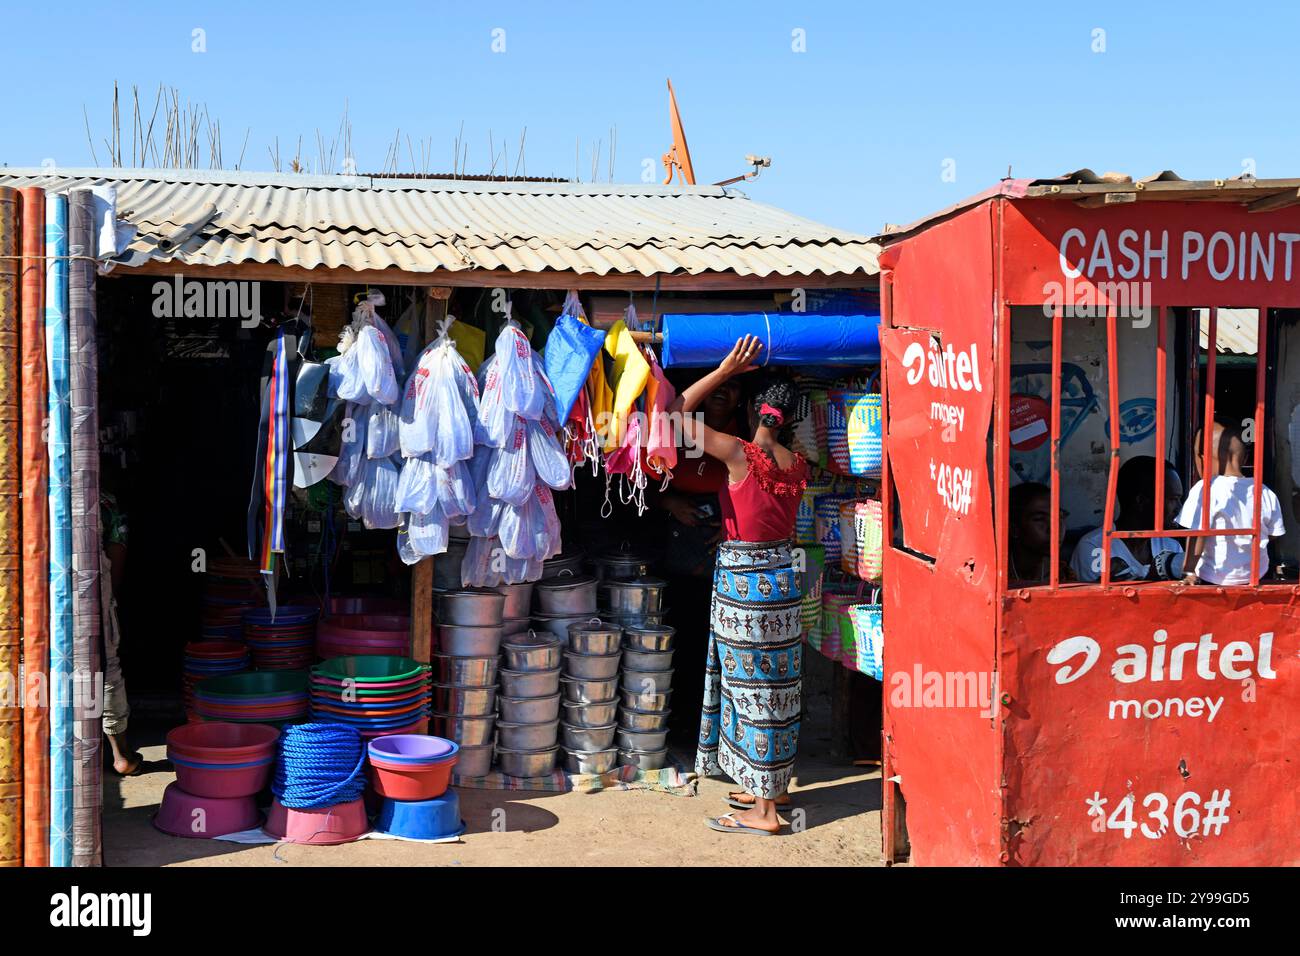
column 230, row 587
column 348, row 635
column 204, row 659
column 376, row 694
column 287, row 642
column 272, row 697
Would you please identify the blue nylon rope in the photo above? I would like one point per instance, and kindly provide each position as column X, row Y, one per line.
column 319, row 766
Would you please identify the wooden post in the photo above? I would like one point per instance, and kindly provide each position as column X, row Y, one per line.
column 422, row 573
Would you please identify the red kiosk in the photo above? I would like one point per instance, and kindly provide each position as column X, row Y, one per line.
column 1057, row 722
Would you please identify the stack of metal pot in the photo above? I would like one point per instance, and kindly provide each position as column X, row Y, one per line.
column 590, row 691
column 464, row 697
column 529, row 704
column 647, row 677
column 567, row 598
column 633, row 602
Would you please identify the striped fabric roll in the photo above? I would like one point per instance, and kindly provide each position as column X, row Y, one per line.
column 11, row 718
column 36, row 516
column 59, row 448
column 87, row 540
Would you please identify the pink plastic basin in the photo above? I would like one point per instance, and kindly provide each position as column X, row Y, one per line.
column 221, row 742
column 189, row 815
column 338, row 824
column 224, row 781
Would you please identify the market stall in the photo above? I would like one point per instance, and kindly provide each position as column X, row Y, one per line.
column 433, row 580
column 1041, row 720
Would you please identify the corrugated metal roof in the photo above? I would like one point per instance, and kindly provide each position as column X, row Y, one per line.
column 417, row 226
column 1235, row 331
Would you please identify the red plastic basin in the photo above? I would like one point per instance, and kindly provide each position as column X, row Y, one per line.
column 411, row 783
column 216, row 780
column 222, row 742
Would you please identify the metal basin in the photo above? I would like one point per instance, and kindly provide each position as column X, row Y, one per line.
column 647, row 660
column 470, row 731
column 647, row 682
column 566, row 594
column 527, row 763
column 471, row 607
column 578, row 691
column 461, row 641
column 465, row 701
column 515, row 625
column 649, row 740
column 597, row 761
column 446, row 570
column 636, row 596
column 568, row 561
column 638, row 620
column 594, row 637
column 643, row 759
column 643, row 720
column 467, row 671
column 588, row 738
column 475, row 761
column 637, row 699
column 529, row 683
column 591, row 666
column 559, row 624
column 512, row 736
column 620, row 564
column 519, row 599
column 528, row 710
column 590, row 715
column 531, row 652
column 648, row 638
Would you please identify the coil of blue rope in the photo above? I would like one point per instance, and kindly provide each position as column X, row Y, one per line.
column 319, row 765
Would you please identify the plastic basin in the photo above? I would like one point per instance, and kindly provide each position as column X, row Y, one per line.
column 378, row 667
column 419, row 748
column 327, row 826
column 254, row 684
column 223, row 780
column 219, row 742
column 191, row 815
column 434, row 819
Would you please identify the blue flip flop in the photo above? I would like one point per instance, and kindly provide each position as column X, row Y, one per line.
column 715, row 823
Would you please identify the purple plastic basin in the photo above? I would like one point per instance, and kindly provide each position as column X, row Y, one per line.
column 409, row 748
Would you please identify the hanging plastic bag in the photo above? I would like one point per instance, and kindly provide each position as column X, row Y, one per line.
column 379, row 504
column 549, row 460
column 520, row 391
column 405, row 551
column 429, row 533
column 456, row 494
column 571, row 349
column 493, row 416
column 546, row 531
column 510, row 476
column 417, row 486
column 519, row 529
column 479, row 567
column 381, row 432
column 347, row 470
column 375, row 366
column 453, row 434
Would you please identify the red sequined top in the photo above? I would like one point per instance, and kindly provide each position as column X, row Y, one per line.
column 762, row 505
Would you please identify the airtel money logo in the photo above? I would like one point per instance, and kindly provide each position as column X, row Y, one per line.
column 945, row 368
column 1162, row 661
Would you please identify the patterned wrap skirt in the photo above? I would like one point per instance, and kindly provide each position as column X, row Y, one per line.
column 749, row 729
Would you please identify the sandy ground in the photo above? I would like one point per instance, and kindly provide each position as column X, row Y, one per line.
column 839, row 826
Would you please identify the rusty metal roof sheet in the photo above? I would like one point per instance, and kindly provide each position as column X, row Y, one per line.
column 363, row 223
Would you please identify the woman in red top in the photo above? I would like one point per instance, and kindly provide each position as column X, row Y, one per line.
column 749, row 729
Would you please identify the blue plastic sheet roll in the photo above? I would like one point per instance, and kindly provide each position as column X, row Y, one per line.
column 789, row 338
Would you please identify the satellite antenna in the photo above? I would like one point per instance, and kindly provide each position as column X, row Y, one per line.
column 678, row 158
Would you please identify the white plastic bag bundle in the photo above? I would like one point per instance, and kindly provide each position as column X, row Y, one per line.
column 413, row 426
column 428, row 533
column 479, row 569
column 456, row 494
column 453, row 434
column 519, row 385
column 379, row 503
column 381, row 432
column 417, row 486
column 439, row 406
column 550, row 542
column 405, row 551
column 547, row 454
column 374, row 366
column 510, row 476
column 493, row 416
column 347, row 470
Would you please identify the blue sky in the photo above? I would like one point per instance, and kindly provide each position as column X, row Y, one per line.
column 861, row 126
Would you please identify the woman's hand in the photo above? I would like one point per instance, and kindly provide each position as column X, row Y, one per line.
column 741, row 358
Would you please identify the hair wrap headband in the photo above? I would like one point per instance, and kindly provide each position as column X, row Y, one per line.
column 766, row 409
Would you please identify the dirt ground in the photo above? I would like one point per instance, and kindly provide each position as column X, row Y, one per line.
column 840, row 819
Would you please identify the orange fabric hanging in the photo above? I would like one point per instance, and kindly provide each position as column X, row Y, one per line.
column 36, row 528
column 11, row 718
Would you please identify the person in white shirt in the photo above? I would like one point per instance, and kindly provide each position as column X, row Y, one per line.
column 1136, row 559
column 1225, row 559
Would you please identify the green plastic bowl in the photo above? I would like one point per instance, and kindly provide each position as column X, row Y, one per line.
column 370, row 667
column 253, row 684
